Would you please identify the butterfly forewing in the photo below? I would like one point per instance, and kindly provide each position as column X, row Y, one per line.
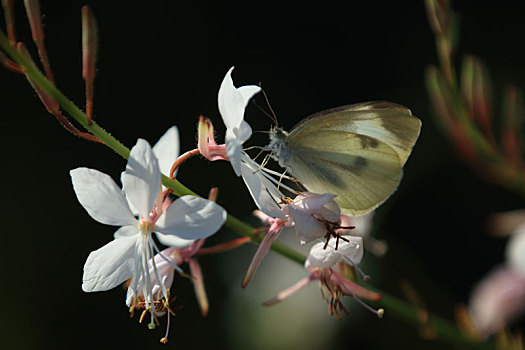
column 386, row 122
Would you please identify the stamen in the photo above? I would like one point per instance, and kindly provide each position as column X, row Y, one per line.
column 177, row 268
column 282, row 175
column 144, row 313
column 277, row 182
column 364, row 275
column 157, row 274
column 332, row 231
column 164, row 340
column 379, row 312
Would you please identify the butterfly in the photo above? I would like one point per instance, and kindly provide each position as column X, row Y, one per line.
column 356, row 152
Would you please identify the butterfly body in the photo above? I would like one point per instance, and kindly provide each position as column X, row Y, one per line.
column 356, row 152
column 279, row 147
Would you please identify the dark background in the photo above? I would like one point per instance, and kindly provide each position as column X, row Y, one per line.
column 161, row 63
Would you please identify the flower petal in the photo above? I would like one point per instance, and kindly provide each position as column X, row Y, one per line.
column 321, row 205
column 289, row 291
column 353, row 289
column 351, row 251
column 141, row 180
column 515, row 251
column 261, row 252
column 101, row 197
column 306, row 226
column 247, row 92
column 363, row 223
column 322, row 258
column 264, row 193
column 244, row 131
column 126, row 231
column 234, row 140
column 234, row 151
column 167, row 150
column 497, row 299
column 110, row 265
column 174, row 241
column 231, row 102
column 198, row 284
column 191, row 217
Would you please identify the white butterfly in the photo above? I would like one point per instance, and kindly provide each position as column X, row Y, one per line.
column 356, row 152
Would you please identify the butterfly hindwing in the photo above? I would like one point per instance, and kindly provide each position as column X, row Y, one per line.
column 361, row 170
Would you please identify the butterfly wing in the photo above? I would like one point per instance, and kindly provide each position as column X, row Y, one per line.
column 356, row 152
column 386, row 122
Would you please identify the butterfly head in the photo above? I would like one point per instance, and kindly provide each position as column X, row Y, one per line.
column 279, row 147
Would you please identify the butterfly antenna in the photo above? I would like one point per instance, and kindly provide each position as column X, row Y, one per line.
column 274, row 116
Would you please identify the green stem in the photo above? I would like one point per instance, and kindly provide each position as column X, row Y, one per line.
column 446, row 330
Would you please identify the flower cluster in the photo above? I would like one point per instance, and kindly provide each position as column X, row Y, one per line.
column 312, row 216
column 144, row 206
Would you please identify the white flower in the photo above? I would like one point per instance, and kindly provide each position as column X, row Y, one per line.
column 232, row 103
column 128, row 255
column 321, row 263
column 350, row 252
column 497, row 299
column 516, row 250
column 314, row 215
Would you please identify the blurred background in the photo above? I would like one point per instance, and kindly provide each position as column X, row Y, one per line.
column 161, row 64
